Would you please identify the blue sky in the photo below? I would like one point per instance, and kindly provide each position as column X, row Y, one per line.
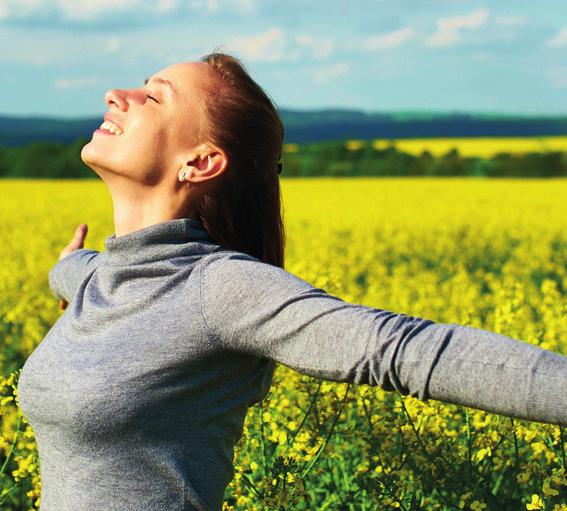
column 58, row 57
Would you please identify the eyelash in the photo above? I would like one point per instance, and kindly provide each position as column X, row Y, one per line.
column 153, row 99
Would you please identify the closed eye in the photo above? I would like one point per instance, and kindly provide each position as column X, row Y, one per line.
column 151, row 97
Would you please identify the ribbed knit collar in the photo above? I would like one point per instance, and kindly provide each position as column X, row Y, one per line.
column 157, row 241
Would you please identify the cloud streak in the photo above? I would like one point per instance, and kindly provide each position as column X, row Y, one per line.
column 268, row 46
column 330, row 73
column 75, row 83
column 388, row 40
column 449, row 29
column 319, row 47
column 559, row 40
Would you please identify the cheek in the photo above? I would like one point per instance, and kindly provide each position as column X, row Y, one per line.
column 185, row 133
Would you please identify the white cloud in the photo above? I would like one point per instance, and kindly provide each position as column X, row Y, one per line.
column 268, row 46
column 90, row 9
column 93, row 10
column 75, row 83
column 479, row 56
column 246, row 5
column 508, row 21
column 305, row 40
column 19, row 8
column 44, row 47
column 559, row 40
column 329, row 73
column 166, row 5
column 448, row 29
column 319, row 47
column 558, row 77
column 389, row 40
column 112, row 44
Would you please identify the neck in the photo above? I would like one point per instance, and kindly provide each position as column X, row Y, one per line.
column 137, row 206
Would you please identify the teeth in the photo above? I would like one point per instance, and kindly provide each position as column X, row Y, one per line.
column 107, row 125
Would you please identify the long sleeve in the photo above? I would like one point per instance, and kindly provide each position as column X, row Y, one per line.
column 256, row 308
column 68, row 272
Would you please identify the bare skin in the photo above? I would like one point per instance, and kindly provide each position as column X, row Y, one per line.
column 76, row 243
column 160, row 137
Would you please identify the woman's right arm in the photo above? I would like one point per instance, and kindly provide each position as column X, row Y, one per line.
column 74, row 263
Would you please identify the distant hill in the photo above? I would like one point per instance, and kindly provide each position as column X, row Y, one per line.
column 320, row 125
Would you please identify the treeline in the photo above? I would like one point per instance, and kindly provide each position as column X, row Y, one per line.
column 45, row 160
column 58, row 160
column 334, row 159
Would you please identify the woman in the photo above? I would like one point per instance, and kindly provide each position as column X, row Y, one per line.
column 138, row 393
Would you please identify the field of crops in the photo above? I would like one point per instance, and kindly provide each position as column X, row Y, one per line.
column 486, row 253
column 482, row 147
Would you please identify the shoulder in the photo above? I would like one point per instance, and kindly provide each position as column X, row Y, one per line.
column 81, row 253
column 234, row 272
column 81, row 258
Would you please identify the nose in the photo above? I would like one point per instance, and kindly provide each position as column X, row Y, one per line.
column 122, row 98
column 116, row 97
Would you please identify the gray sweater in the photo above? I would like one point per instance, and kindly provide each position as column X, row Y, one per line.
column 139, row 391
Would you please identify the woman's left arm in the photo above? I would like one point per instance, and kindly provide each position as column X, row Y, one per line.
column 72, row 267
column 264, row 310
column 66, row 275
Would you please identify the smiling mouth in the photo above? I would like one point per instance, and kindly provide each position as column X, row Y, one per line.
column 110, row 128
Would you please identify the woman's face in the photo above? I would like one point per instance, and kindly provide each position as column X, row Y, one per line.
column 159, row 121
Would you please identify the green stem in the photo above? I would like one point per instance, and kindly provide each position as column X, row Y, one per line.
column 469, row 444
column 3, row 499
column 516, row 450
column 251, row 484
column 311, row 404
column 262, row 443
column 422, row 445
column 326, row 441
column 562, row 447
column 13, row 445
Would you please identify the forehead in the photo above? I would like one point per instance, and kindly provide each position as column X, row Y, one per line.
column 185, row 75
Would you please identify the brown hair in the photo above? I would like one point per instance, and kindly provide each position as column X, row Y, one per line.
column 244, row 212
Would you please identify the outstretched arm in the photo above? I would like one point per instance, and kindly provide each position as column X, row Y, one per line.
column 74, row 264
column 264, row 310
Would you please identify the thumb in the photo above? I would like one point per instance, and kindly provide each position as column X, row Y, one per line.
column 78, row 240
column 79, row 237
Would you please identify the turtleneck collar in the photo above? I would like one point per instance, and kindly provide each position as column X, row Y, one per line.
column 157, row 241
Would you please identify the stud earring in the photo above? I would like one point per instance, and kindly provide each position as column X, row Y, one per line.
column 184, row 173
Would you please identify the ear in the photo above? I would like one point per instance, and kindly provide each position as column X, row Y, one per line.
column 210, row 163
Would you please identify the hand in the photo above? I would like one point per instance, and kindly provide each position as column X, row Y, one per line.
column 76, row 243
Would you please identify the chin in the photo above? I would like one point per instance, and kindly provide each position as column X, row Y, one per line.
column 88, row 154
column 92, row 157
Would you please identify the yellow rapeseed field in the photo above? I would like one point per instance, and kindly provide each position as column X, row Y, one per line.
column 485, row 253
column 482, row 147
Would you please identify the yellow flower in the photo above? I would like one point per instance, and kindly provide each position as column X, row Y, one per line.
column 548, row 490
column 536, row 503
column 464, row 497
column 477, row 505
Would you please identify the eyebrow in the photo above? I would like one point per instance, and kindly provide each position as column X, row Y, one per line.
column 161, row 80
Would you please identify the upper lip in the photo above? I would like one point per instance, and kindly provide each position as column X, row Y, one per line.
column 108, row 117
